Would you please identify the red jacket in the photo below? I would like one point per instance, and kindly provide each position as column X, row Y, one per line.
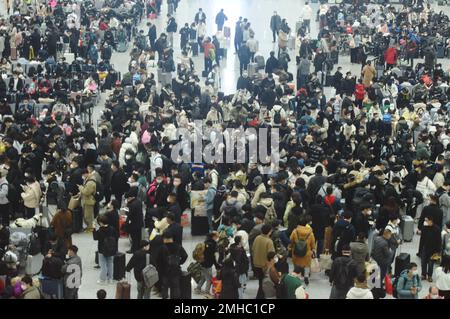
column 390, row 56
column 359, row 92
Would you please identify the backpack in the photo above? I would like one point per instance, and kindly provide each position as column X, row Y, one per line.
column 34, row 246
column 230, row 210
column 277, row 117
column 212, row 54
column 395, row 283
column 342, row 275
column 110, row 245
column 150, row 274
column 223, row 242
column 301, row 247
column 199, row 252
column 195, row 270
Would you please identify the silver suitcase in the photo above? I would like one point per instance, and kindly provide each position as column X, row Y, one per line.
column 166, row 78
column 407, row 228
column 259, row 59
column 291, row 43
column 34, row 264
column 252, row 69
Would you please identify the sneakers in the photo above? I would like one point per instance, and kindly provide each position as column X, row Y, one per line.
column 102, row 282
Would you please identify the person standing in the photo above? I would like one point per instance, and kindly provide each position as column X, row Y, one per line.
column 209, row 256
column 260, row 249
column 72, row 269
column 382, row 253
column 4, row 202
column 140, row 260
column 135, row 219
column 430, row 243
column 275, row 25
column 442, row 276
column 119, row 182
column 31, row 196
column 172, row 256
column 87, row 191
column 200, row 16
column 209, row 201
column 230, row 280
column 152, row 34
column 107, row 249
column 303, row 234
column 171, row 29
column 220, row 20
column 62, row 225
column 184, row 36
column 244, row 57
column 342, row 274
column 307, row 15
column 210, row 54
column 238, row 35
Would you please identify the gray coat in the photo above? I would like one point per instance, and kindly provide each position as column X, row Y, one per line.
column 360, row 254
column 304, row 67
column 444, row 204
column 381, row 251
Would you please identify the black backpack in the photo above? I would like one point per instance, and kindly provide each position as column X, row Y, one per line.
column 277, row 117
column 110, row 244
column 34, row 246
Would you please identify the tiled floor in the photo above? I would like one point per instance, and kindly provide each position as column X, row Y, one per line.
column 258, row 12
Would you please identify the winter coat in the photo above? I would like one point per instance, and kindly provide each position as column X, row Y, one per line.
column 405, row 283
column 31, row 293
column 88, row 191
column 32, row 195
column 303, row 233
column 230, row 283
column 359, row 293
column 381, row 252
column 260, row 248
column 360, row 254
column 266, row 205
column 62, row 222
column 256, row 196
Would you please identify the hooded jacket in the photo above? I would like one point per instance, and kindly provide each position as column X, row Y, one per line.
column 359, row 293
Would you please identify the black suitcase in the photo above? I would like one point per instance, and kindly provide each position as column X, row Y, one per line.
column 401, row 263
column 199, row 225
column 77, row 220
column 185, row 286
column 204, row 74
column 119, row 266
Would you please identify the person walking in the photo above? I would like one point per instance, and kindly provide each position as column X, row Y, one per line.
column 220, row 20
column 343, row 272
column 260, row 249
column 275, row 25
column 137, row 263
column 73, row 272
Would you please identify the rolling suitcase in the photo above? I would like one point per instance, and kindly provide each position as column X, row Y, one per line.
column 34, row 264
column 13, row 54
column 226, row 32
column 252, row 69
column 123, row 290
column 119, row 266
column 185, row 286
column 407, row 228
column 440, row 51
column 401, row 263
column 291, row 42
column 199, row 225
column 52, row 288
column 259, row 60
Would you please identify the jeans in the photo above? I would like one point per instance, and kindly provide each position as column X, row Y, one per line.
column 427, row 264
column 173, row 283
column 210, row 214
column 259, row 273
column 106, row 267
column 206, row 277
column 243, row 281
column 208, row 65
column 143, row 291
column 274, row 34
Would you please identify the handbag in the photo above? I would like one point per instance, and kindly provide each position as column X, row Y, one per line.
column 74, row 202
column 325, row 261
column 436, row 257
column 315, row 266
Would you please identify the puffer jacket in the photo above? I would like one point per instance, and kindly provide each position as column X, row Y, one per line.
column 405, row 283
column 359, row 293
column 381, row 252
column 32, row 195
column 304, row 233
column 126, row 146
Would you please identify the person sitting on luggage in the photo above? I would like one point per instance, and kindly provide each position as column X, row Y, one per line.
column 172, row 256
column 139, row 260
column 29, row 291
column 409, row 284
column 72, row 267
column 107, row 249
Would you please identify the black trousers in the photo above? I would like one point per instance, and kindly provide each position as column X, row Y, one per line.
column 4, row 214
column 135, row 240
column 30, row 212
column 259, row 273
column 171, row 282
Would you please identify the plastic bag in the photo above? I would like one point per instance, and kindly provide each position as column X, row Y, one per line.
column 315, row 266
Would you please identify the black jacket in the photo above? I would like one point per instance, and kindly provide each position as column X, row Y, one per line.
column 272, row 64
column 230, row 283
column 101, row 234
column 166, row 251
column 343, row 272
column 177, row 231
column 138, row 262
column 320, row 214
column 239, row 256
column 119, row 182
column 434, row 212
column 135, row 220
column 361, row 223
column 430, row 240
column 175, row 209
column 113, row 221
column 210, row 251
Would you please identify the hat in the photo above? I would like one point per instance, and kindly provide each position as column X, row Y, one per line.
column 257, row 180
column 309, row 138
column 300, row 293
column 133, row 192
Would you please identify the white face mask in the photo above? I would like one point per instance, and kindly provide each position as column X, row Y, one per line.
column 275, row 259
column 368, row 213
column 434, row 296
column 426, row 224
column 128, row 157
column 415, row 272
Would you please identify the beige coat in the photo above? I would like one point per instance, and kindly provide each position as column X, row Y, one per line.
column 259, row 190
column 88, row 191
column 32, row 195
column 261, row 247
column 369, row 73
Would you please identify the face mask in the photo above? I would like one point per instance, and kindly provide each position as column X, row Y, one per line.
column 368, row 213
column 344, row 171
column 425, row 224
column 128, row 157
column 24, row 287
column 434, row 296
column 275, row 259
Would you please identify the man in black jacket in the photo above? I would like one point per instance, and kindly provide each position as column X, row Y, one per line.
column 152, row 35
column 272, row 63
column 175, row 228
column 138, row 262
column 430, row 244
column 135, row 219
column 119, row 181
column 432, row 210
column 172, row 256
column 174, row 207
column 361, row 219
column 342, row 274
column 209, row 259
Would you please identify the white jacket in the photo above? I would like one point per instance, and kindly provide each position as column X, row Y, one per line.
column 442, row 279
column 125, row 146
column 170, row 131
column 426, row 187
column 275, row 109
column 253, row 45
column 307, row 12
column 359, row 293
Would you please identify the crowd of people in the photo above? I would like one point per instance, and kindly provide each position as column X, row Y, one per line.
column 354, row 168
